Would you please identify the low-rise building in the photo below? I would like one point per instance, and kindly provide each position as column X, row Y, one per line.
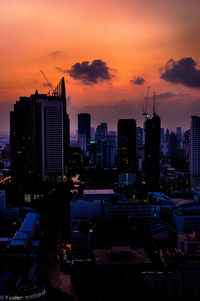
column 186, row 218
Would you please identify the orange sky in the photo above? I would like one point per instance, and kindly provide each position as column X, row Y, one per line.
column 134, row 37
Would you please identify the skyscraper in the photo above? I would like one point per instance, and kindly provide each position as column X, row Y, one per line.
column 195, row 153
column 152, row 152
column 39, row 133
column 84, row 130
column 101, row 130
column 126, row 151
column 105, row 147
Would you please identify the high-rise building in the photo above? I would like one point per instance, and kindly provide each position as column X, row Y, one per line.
column 103, row 149
column 195, row 153
column 152, row 152
column 102, row 130
column 106, row 151
column 126, row 151
column 139, row 136
column 84, row 130
column 39, row 137
column 173, row 145
column 186, row 144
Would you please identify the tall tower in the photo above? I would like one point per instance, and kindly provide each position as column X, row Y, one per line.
column 25, row 141
column 195, row 153
column 126, row 151
column 38, row 137
column 84, row 130
column 152, row 152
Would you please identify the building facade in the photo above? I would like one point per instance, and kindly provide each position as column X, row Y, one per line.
column 39, row 137
column 195, row 153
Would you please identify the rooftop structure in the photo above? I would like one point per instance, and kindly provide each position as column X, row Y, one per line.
column 123, row 255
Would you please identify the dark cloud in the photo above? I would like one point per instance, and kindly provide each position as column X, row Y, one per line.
column 183, row 71
column 46, row 85
column 55, row 53
column 137, row 81
column 169, row 94
column 89, row 74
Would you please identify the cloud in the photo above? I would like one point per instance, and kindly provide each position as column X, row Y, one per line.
column 169, row 94
column 46, row 85
column 55, row 53
column 137, row 80
column 183, row 71
column 68, row 100
column 89, row 74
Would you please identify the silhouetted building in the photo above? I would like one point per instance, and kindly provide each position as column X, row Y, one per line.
column 195, row 152
column 106, row 151
column 84, row 130
column 152, row 152
column 126, row 151
column 139, row 136
column 186, row 144
column 173, row 145
column 101, row 130
column 39, row 137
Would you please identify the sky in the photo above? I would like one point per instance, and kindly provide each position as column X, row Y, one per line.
column 109, row 52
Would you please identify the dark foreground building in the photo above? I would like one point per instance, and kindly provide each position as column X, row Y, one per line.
column 39, row 137
column 126, row 151
column 152, row 152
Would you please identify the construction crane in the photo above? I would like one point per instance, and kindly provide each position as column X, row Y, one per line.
column 48, row 82
column 154, row 103
column 145, row 113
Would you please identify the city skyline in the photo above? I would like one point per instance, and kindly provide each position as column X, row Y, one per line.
column 123, row 44
column 100, row 150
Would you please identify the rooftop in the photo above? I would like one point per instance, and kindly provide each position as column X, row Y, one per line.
column 30, row 222
column 98, row 191
column 122, row 255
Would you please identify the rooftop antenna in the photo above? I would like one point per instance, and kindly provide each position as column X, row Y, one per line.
column 145, row 113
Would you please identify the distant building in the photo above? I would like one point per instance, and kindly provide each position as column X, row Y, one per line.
column 173, row 145
column 84, row 130
column 139, row 136
column 105, row 151
column 186, row 144
column 176, row 180
column 102, row 130
column 126, row 150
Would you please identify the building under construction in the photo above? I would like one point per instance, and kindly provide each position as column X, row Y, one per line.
column 39, row 137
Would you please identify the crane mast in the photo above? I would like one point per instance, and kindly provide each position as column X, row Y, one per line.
column 48, row 82
column 145, row 113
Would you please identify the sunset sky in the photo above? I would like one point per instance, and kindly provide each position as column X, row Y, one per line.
column 109, row 52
